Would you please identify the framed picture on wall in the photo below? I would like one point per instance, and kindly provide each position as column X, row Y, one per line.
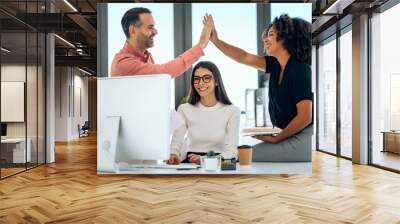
column 12, row 101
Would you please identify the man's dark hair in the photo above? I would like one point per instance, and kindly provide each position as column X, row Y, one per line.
column 295, row 34
column 220, row 92
column 132, row 17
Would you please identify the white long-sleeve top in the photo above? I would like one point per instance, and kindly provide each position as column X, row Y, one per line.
column 207, row 128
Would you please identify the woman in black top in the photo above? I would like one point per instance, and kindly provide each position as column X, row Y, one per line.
column 287, row 42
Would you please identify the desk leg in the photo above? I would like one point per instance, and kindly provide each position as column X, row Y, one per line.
column 384, row 142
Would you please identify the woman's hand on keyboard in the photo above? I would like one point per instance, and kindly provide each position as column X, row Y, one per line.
column 173, row 159
column 193, row 158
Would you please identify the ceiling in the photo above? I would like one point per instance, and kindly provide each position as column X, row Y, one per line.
column 76, row 22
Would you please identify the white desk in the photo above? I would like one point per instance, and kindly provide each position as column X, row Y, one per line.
column 19, row 149
column 256, row 168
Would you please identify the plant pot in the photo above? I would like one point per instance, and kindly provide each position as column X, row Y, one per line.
column 211, row 164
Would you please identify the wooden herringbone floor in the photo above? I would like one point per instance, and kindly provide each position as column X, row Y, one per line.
column 70, row 191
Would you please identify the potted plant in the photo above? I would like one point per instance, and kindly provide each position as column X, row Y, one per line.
column 184, row 100
column 211, row 161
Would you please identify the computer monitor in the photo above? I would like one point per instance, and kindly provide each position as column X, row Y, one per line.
column 3, row 129
column 133, row 115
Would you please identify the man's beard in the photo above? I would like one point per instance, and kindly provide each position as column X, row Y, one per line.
column 149, row 42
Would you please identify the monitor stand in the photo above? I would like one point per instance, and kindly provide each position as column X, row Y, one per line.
column 107, row 145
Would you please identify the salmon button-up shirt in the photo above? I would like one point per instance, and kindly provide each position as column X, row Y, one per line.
column 129, row 61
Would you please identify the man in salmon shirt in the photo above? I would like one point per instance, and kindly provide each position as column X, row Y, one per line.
column 134, row 59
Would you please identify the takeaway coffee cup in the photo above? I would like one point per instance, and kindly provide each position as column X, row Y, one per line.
column 245, row 154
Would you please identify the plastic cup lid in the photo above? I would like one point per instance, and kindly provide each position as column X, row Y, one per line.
column 244, row 147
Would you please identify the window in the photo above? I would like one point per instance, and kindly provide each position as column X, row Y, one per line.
column 346, row 94
column 301, row 10
column 327, row 96
column 237, row 25
column 394, row 101
column 385, row 87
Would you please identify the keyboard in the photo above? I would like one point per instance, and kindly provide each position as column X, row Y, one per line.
column 183, row 166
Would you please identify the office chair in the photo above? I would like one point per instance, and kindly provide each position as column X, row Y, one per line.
column 84, row 130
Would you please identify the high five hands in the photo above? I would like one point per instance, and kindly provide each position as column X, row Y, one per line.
column 209, row 32
column 214, row 34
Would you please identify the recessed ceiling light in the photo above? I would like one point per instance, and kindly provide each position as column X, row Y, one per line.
column 5, row 49
column 84, row 71
column 338, row 6
column 70, row 5
column 64, row 40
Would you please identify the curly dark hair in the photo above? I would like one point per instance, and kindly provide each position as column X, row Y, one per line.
column 295, row 34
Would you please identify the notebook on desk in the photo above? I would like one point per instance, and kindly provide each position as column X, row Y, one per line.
column 260, row 131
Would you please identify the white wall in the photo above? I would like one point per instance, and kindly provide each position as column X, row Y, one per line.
column 61, row 103
column 79, row 117
column 70, row 83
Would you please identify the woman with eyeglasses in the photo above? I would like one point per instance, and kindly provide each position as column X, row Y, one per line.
column 211, row 121
column 287, row 44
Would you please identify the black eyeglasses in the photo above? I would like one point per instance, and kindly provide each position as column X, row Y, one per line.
column 206, row 79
